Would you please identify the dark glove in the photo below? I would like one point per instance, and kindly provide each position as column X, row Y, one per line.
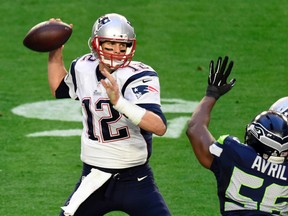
column 217, row 80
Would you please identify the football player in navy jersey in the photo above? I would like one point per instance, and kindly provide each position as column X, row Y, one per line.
column 121, row 109
column 251, row 176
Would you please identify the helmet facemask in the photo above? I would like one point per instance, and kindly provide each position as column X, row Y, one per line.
column 113, row 60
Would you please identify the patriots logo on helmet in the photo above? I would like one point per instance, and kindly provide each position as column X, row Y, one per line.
column 143, row 89
column 102, row 21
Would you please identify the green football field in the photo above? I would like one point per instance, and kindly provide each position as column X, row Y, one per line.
column 39, row 136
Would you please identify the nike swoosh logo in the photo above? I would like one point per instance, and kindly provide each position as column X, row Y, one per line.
column 142, row 178
column 146, row 80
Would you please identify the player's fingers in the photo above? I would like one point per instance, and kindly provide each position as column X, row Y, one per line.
column 105, row 83
column 232, row 82
column 59, row 20
column 106, row 73
column 217, row 68
column 228, row 71
column 224, row 63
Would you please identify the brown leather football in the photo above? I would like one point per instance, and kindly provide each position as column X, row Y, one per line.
column 47, row 36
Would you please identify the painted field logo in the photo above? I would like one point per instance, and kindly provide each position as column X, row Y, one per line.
column 70, row 110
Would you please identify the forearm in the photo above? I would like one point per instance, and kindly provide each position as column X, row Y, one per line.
column 198, row 132
column 56, row 69
column 153, row 123
column 201, row 115
column 145, row 119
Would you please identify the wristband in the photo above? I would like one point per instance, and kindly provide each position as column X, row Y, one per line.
column 213, row 91
column 132, row 111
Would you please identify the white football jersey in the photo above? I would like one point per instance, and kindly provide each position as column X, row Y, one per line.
column 109, row 139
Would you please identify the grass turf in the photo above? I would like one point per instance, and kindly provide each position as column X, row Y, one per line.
column 178, row 39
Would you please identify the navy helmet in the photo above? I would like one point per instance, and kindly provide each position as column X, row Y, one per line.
column 268, row 135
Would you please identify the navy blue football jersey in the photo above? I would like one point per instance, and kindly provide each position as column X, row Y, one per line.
column 247, row 183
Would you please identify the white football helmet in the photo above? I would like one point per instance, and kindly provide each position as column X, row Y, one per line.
column 113, row 27
column 281, row 106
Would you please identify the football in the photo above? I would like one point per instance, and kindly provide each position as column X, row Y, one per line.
column 47, row 36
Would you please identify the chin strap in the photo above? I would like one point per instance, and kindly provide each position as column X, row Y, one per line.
column 112, row 63
column 277, row 160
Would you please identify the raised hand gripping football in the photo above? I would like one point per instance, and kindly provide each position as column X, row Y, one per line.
column 48, row 35
column 217, row 80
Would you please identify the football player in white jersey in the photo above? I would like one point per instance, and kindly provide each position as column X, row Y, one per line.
column 121, row 109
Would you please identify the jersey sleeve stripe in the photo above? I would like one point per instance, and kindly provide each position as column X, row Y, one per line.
column 72, row 72
column 137, row 76
column 222, row 138
column 215, row 150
